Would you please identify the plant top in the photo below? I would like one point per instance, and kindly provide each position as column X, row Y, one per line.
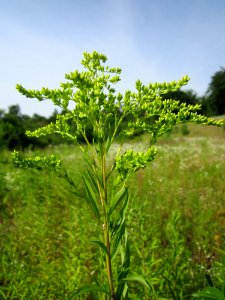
column 98, row 106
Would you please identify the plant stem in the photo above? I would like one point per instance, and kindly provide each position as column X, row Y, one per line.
column 108, row 263
column 106, row 231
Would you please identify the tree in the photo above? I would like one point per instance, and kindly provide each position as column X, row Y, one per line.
column 12, row 133
column 13, row 127
column 215, row 96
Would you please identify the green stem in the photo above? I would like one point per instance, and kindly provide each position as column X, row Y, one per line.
column 106, row 232
column 108, row 264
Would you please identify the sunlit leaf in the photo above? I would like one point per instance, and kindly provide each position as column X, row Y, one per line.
column 118, row 198
column 138, row 278
column 101, row 245
column 91, row 198
column 209, row 293
column 124, row 270
column 117, row 239
column 88, row 289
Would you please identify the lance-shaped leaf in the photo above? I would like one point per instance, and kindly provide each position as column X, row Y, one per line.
column 118, row 220
column 117, row 227
column 209, row 293
column 117, row 239
column 91, row 197
column 124, row 270
column 118, row 198
column 138, row 278
column 101, row 245
column 87, row 289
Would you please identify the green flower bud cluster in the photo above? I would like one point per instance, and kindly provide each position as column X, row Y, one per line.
column 157, row 116
column 61, row 126
column 132, row 161
column 59, row 97
column 36, row 162
column 93, row 96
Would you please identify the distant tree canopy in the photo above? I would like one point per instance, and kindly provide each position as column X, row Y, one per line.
column 214, row 100
column 13, row 126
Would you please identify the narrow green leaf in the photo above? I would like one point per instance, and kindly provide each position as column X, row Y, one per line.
column 121, row 290
column 88, row 289
column 124, row 271
column 91, row 199
column 118, row 198
column 3, row 295
column 209, row 293
column 92, row 163
column 77, row 194
column 92, row 180
column 123, row 209
column 117, row 239
column 138, row 278
column 117, row 222
column 118, row 227
column 101, row 245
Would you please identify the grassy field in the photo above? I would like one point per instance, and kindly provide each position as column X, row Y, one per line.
column 176, row 222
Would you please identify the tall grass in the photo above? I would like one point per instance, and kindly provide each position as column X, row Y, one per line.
column 176, row 221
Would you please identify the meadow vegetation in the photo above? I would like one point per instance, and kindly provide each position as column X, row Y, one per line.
column 176, row 222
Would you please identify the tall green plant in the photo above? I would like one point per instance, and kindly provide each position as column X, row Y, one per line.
column 98, row 106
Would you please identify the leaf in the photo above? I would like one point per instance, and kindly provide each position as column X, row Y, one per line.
column 101, row 245
column 118, row 197
column 92, row 165
column 77, row 194
column 118, row 238
column 91, row 199
column 124, row 271
column 139, row 278
column 209, row 293
column 3, row 295
column 117, row 222
column 121, row 290
column 88, row 289
column 117, row 227
column 91, row 178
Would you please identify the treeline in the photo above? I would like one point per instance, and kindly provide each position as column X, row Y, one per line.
column 13, row 124
column 13, row 127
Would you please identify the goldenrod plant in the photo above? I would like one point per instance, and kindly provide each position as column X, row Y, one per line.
column 99, row 109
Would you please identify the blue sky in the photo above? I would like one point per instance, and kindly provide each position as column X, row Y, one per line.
column 153, row 40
